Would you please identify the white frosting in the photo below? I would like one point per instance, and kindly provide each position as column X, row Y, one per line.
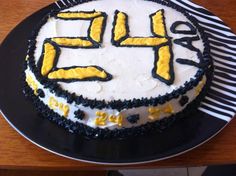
column 131, row 67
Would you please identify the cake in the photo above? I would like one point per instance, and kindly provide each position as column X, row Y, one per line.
column 117, row 68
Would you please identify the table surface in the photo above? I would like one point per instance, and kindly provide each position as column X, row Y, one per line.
column 16, row 152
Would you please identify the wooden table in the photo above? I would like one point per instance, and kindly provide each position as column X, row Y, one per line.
column 16, row 152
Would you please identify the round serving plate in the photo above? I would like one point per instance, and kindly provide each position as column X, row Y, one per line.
column 215, row 112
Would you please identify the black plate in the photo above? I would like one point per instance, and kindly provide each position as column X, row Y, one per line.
column 20, row 113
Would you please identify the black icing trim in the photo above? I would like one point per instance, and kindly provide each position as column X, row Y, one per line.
column 41, row 93
column 183, row 100
column 191, row 63
column 192, row 30
column 119, row 104
column 79, row 114
column 133, row 118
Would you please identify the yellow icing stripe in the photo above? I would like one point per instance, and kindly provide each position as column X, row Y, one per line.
column 163, row 64
column 158, row 23
column 80, row 15
column 168, row 109
column 48, row 58
column 200, row 86
column 31, row 82
column 73, row 42
column 96, row 28
column 147, row 41
column 54, row 104
column 120, row 28
column 77, row 73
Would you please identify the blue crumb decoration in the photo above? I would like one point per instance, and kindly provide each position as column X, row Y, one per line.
column 133, row 118
column 79, row 114
column 41, row 93
column 184, row 100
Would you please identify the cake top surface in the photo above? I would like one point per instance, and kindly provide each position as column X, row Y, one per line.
column 131, row 67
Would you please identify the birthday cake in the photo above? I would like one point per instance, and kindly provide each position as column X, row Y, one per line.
column 117, row 68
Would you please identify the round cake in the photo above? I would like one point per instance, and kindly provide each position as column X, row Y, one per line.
column 117, row 68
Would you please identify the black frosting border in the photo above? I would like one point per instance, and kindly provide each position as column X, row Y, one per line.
column 119, row 104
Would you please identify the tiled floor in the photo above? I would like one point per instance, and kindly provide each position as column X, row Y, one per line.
column 193, row 171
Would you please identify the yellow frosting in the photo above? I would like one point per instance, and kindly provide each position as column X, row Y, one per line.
column 120, row 28
column 31, row 82
column 168, row 109
column 72, row 42
column 101, row 114
column 200, row 86
column 66, row 110
column 81, row 15
column 119, row 120
column 112, row 118
column 147, row 41
column 54, row 104
column 116, row 119
column 163, row 64
column 96, row 29
column 154, row 113
column 27, row 57
column 101, row 119
column 77, row 73
column 158, row 23
column 48, row 58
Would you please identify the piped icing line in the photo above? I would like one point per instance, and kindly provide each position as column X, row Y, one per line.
column 97, row 28
column 79, row 15
column 163, row 65
column 120, row 30
column 158, row 26
column 74, row 42
column 76, row 73
column 49, row 57
column 190, row 62
column 191, row 31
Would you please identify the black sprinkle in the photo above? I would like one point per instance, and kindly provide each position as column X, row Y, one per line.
column 79, row 114
column 184, row 100
column 41, row 93
column 133, row 118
